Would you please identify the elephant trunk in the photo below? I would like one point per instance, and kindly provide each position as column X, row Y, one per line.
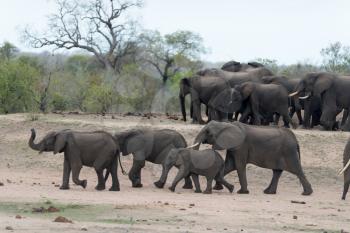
column 198, row 140
column 34, row 146
column 183, row 108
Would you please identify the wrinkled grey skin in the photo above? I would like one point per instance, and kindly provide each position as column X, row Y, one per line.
column 148, row 145
column 346, row 157
column 234, row 66
column 263, row 99
column 333, row 92
column 206, row 163
column 92, row 149
column 267, row 147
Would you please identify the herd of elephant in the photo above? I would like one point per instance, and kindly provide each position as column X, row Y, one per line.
column 260, row 97
column 274, row 148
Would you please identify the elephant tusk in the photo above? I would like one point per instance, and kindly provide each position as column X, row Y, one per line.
column 304, row 97
column 193, row 145
column 293, row 94
column 344, row 169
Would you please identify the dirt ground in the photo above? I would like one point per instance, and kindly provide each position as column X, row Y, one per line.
column 30, row 181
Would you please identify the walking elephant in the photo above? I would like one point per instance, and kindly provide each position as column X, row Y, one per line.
column 266, row 147
column 333, row 92
column 96, row 149
column 191, row 162
column 262, row 100
column 149, row 145
column 346, row 170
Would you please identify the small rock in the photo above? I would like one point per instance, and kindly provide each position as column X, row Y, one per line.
column 225, row 229
column 209, row 229
column 83, row 229
column 192, row 204
column 57, row 185
column 295, row 217
column 62, row 219
column 18, row 216
column 9, row 181
column 1, row 184
column 38, row 210
column 52, row 209
column 9, row 228
column 166, row 203
column 298, row 202
column 53, row 182
column 182, row 209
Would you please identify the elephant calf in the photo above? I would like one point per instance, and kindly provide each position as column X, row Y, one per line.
column 93, row 149
column 207, row 163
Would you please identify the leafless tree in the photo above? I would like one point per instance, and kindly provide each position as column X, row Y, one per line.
column 100, row 27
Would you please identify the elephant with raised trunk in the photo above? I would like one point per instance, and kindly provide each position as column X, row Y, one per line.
column 334, row 95
column 96, row 149
column 151, row 145
column 207, row 163
column 266, row 147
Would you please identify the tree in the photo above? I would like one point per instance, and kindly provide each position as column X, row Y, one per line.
column 167, row 53
column 8, row 51
column 99, row 27
column 336, row 58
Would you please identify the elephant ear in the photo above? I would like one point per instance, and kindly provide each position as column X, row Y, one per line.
column 184, row 87
column 136, row 141
column 230, row 137
column 227, row 101
column 246, row 89
column 322, row 83
column 60, row 142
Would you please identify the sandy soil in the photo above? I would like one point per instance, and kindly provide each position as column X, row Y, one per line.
column 30, row 180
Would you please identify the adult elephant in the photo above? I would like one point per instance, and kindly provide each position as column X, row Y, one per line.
column 333, row 92
column 267, row 147
column 149, row 145
column 262, row 100
column 93, row 149
column 234, row 66
column 289, row 84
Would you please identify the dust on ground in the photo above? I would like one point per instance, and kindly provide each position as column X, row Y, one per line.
column 31, row 179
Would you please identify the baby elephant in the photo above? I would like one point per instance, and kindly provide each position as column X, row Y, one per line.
column 207, row 163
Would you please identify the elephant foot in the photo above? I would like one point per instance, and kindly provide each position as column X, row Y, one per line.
column 64, row 187
column 187, row 186
column 172, row 189
column 159, row 184
column 207, row 192
column 198, row 191
column 100, row 187
column 307, row 192
column 137, row 185
column 114, row 188
column 241, row 191
column 218, row 186
column 231, row 188
column 84, row 184
column 269, row 191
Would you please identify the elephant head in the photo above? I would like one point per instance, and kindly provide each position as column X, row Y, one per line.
column 131, row 141
column 241, row 92
column 228, row 101
column 221, row 135
column 53, row 141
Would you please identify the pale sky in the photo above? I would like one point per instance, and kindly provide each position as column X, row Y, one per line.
column 289, row 31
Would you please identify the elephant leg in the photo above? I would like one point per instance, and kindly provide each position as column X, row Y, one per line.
column 188, row 183
column 242, row 176
column 180, row 175
column 301, row 122
column 220, row 178
column 277, row 118
column 272, row 188
column 196, row 183
column 209, row 188
column 345, row 189
column 294, row 167
column 114, row 174
column 229, row 166
column 75, row 174
column 101, row 181
column 345, row 116
column 230, row 116
column 287, row 120
column 135, row 173
column 197, row 111
column 66, row 175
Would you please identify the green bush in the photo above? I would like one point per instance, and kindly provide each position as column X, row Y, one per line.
column 59, row 102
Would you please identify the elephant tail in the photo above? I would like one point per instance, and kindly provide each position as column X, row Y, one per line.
column 298, row 148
